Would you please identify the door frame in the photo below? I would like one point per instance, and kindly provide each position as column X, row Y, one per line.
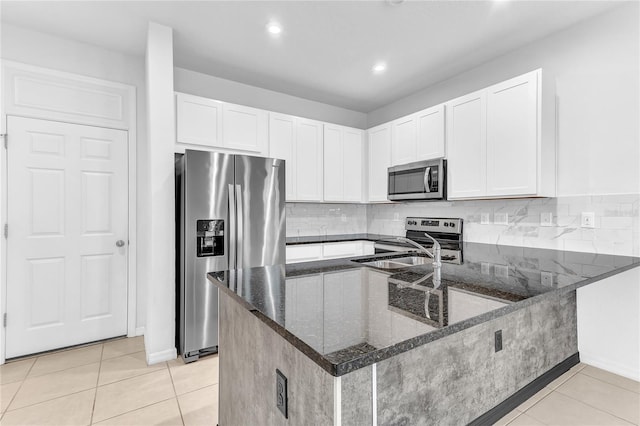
column 120, row 115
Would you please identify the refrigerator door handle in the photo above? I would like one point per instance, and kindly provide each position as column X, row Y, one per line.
column 240, row 227
column 232, row 228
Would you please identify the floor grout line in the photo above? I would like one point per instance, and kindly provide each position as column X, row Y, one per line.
column 95, row 394
column 19, row 387
column 609, row 383
column 175, row 393
column 595, row 408
column 131, row 411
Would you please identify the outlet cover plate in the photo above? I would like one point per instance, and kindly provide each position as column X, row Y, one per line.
column 501, row 271
column 546, row 219
column 588, row 220
column 501, row 218
column 546, row 279
column 485, row 219
column 281, row 393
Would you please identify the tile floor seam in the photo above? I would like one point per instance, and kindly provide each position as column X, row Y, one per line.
column 19, row 387
column 126, row 378
column 131, row 411
column 609, row 383
column 595, row 408
column 173, row 385
column 95, row 394
column 49, row 400
column 198, row 389
column 58, row 371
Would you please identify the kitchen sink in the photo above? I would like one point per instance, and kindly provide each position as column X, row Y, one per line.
column 395, row 263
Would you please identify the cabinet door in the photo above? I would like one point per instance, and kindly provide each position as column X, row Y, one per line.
column 297, row 253
column 430, row 140
column 198, row 120
column 244, row 128
column 466, row 146
column 403, row 140
column 379, row 161
column 333, row 163
column 281, row 145
column 352, row 164
column 308, row 159
column 513, row 136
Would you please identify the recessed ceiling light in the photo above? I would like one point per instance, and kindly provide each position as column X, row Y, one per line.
column 274, row 28
column 379, row 68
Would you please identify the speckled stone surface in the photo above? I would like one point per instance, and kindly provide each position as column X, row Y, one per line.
column 303, row 302
column 339, row 238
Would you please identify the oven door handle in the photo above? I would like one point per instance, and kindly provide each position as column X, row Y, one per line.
column 427, row 179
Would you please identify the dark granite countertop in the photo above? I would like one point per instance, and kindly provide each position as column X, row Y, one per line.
column 338, row 238
column 346, row 316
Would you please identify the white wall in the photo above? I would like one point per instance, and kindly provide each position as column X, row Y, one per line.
column 159, row 337
column 34, row 48
column 609, row 324
column 199, row 84
column 595, row 65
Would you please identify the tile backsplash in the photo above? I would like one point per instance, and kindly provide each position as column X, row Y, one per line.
column 616, row 227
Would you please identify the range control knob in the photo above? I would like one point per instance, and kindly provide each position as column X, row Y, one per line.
column 446, row 224
column 452, row 224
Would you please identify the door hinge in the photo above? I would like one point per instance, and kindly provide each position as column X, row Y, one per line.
column 6, row 230
column 4, row 320
column 5, row 138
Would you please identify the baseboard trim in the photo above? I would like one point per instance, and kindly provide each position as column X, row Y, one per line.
column 511, row 403
column 166, row 355
column 139, row 331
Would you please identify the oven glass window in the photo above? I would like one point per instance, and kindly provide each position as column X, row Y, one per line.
column 411, row 181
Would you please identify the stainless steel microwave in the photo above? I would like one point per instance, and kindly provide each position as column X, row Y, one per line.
column 422, row 180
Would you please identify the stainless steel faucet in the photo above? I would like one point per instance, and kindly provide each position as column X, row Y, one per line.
column 435, row 255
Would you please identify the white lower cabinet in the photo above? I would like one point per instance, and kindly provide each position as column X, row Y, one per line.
column 296, row 253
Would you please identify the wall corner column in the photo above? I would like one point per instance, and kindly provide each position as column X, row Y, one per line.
column 159, row 336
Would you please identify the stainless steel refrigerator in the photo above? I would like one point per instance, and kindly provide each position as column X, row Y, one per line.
column 230, row 215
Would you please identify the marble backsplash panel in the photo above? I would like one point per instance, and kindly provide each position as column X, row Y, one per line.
column 313, row 219
column 616, row 230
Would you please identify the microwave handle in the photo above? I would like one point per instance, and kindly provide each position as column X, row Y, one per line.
column 427, row 179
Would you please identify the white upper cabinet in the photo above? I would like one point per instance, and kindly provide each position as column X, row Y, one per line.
column 299, row 142
column 512, row 136
column 308, row 160
column 379, row 154
column 404, row 140
column 221, row 125
column 199, row 120
column 244, row 128
column 497, row 143
column 430, row 128
column 466, row 146
column 282, row 133
column 343, row 152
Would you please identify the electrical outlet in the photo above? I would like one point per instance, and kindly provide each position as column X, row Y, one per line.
column 501, row 271
column 485, row 219
column 501, row 218
column 396, row 216
column 485, row 268
column 546, row 279
column 344, row 217
column 498, row 341
column 588, row 220
column 546, row 219
column 281, row 393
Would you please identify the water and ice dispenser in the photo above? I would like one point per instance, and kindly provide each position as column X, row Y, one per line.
column 210, row 237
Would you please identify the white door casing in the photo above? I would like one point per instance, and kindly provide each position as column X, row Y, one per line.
column 67, row 208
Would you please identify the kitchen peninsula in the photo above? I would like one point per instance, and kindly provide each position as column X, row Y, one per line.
column 364, row 346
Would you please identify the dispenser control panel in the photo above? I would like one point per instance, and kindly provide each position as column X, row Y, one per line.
column 210, row 237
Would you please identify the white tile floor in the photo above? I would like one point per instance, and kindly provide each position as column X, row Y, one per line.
column 110, row 384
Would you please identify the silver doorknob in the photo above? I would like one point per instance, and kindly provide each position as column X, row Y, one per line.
column 119, row 243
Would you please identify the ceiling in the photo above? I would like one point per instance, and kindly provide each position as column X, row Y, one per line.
column 327, row 49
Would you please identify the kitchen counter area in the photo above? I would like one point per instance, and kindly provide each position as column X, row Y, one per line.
column 372, row 335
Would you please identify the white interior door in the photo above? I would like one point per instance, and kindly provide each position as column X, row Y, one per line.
column 67, row 240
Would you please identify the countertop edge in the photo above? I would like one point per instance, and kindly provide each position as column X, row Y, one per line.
column 340, row 369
